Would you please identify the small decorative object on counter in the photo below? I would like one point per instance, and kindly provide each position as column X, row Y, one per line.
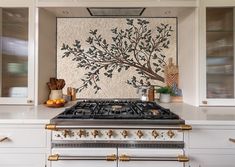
column 56, row 86
column 55, row 103
column 143, row 92
column 71, row 93
column 172, row 80
column 151, row 93
column 177, row 96
column 56, row 94
column 165, row 94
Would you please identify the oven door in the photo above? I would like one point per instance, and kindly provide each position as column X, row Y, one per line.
column 84, row 157
column 151, row 158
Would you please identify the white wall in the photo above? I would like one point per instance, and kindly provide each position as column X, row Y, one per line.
column 187, row 45
column 188, row 55
column 46, row 52
column 187, row 48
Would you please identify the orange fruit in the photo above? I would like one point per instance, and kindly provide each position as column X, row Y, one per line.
column 62, row 100
column 57, row 101
column 50, row 102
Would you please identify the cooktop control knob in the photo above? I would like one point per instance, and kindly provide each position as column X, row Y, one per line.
column 67, row 133
column 110, row 133
column 170, row 133
column 81, row 133
column 124, row 133
column 95, row 133
column 155, row 134
column 140, row 134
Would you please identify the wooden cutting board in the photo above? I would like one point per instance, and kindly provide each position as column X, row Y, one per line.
column 171, row 73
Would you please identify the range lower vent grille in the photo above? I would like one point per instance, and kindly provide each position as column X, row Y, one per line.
column 167, row 145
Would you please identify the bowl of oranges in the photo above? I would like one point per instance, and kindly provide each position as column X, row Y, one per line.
column 55, row 103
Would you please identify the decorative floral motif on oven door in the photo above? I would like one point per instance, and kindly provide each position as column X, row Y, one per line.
column 111, row 57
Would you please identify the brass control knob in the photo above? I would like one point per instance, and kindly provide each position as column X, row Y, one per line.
column 170, row 133
column 95, row 133
column 155, row 134
column 124, row 133
column 110, row 133
column 67, row 133
column 140, row 134
column 81, row 133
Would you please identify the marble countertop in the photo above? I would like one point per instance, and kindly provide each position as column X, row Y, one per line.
column 191, row 114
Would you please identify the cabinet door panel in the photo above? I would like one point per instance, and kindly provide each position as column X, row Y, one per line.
column 220, row 52
column 22, row 160
column 203, row 139
column 212, row 160
column 17, row 52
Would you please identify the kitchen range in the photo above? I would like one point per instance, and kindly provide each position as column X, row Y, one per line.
column 121, row 133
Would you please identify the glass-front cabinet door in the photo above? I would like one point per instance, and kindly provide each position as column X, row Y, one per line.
column 219, row 78
column 16, row 53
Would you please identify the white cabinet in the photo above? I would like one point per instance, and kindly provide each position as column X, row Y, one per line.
column 217, row 52
column 211, row 146
column 23, row 145
column 211, row 160
column 17, row 51
column 22, row 160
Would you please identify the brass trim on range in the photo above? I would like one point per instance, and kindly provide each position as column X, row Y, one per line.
column 3, row 139
column 51, row 127
column 53, row 157
column 112, row 157
column 57, row 157
column 125, row 131
column 124, row 158
column 185, row 127
column 182, row 158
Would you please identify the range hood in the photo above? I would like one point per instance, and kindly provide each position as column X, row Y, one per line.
column 129, row 11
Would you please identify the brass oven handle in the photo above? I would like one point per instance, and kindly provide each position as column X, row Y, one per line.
column 51, row 127
column 232, row 140
column 55, row 127
column 185, row 127
column 126, row 158
column 57, row 157
column 3, row 139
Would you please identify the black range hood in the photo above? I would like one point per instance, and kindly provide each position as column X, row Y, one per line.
column 117, row 11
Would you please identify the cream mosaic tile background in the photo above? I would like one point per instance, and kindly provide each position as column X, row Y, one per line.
column 71, row 29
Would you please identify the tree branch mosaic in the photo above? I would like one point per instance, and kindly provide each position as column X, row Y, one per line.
column 136, row 47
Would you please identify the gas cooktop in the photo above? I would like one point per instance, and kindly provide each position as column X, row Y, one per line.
column 117, row 111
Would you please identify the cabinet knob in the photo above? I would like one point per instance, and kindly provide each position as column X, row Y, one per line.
column 95, row 133
column 170, row 133
column 204, row 102
column 124, row 133
column 140, row 134
column 3, row 139
column 110, row 133
column 232, row 140
column 81, row 133
column 155, row 134
column 29, row 101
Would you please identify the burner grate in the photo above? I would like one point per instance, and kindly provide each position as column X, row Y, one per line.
column 111, row 109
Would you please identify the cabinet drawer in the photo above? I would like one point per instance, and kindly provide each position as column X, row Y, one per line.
column 22, row 137
column 208, row 138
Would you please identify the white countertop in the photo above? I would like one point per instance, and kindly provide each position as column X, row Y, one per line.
column 192, row 115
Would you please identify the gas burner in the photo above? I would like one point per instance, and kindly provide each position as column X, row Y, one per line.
column 117, row 109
